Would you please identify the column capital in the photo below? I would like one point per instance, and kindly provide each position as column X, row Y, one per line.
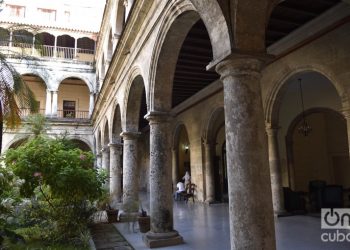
column 242, row 64
column 130, row 135
column 158, row 117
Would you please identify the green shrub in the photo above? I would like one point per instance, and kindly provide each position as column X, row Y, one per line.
column 60, row 186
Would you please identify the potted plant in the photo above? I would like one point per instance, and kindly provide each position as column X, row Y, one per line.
column 104, row 204
column 144, row 221
column 112, row 214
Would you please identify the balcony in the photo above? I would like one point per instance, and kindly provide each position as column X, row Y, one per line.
column 64, row 115
column 16, row 49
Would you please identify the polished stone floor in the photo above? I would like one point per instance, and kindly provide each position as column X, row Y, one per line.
column 207, row 227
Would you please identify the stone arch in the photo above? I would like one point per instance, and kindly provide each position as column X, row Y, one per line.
column 37, row 73
column 291, row 165
column 105, row 140
column 132, row 101
column 275, row 96
column 81, row 143
column 98, row 141
column 16, row 142
column 181, row 16
column 116, row 125
column 120, row 20
column 213, row 17
column 210, row 131
column 182, row 162
column 176, row 133
column 110, row 45
column 84, row 79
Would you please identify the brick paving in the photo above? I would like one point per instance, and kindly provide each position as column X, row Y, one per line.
column 106, row 237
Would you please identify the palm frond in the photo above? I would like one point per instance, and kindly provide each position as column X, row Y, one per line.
column 14, row 94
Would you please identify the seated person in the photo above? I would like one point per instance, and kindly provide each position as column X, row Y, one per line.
column 180, row 187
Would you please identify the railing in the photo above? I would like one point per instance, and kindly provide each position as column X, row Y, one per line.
column 73, row 114
column 48, row 51
column 63, row 114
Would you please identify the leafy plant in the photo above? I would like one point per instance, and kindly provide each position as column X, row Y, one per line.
column 60, row 182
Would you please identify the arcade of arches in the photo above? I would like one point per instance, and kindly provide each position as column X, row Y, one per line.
column 212, row 87
column 191, row 91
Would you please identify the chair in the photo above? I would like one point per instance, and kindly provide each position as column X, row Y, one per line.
column 190, row 189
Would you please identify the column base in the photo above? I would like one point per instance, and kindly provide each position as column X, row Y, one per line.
column 153, row 240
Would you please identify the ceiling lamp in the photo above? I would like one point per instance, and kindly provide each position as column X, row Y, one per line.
column 304, row 128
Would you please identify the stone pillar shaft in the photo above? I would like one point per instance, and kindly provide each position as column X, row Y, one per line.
column 116, row 150
column 130, row 171
column 250, row 201
column 175, row 166
column 275, row 171
column 11, row 38
column 98, row 160
column 55, row 48
column 209, row 173
column 161, row 200
column 91, row 103
column 48, row 107
column 75, row 47
column 54, row 103
column 105, row 164
column 33, row 45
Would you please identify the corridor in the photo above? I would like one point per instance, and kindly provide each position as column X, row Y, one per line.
column 207, row 228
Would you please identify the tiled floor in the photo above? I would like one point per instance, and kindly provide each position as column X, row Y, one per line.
column 207, row 227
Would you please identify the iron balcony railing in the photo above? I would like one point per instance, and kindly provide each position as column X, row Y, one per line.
column 47, row 51
column 64, row 114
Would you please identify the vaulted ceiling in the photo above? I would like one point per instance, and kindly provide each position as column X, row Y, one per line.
column 191, row 75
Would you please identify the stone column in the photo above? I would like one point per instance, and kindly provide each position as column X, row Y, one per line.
column 48, row 106
column 116, row 150
column 75, row 48
column 130, row 169
column 98, row 160
column 175, row 166
column 105, row 164
column 249, row 184
column 54, row 103
column 275, row 171
column 33, row 45
column 290, row 162
column 346, row 114
column 161, row 200
column 209, row 173
column 11, row 38
column 91, row 104
column 55, row 48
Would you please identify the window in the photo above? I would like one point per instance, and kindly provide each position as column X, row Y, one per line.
column 47, row 14
column 69, row 109
column 16, row 10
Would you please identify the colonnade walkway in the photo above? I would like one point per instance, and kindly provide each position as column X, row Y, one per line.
column 207, row 227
